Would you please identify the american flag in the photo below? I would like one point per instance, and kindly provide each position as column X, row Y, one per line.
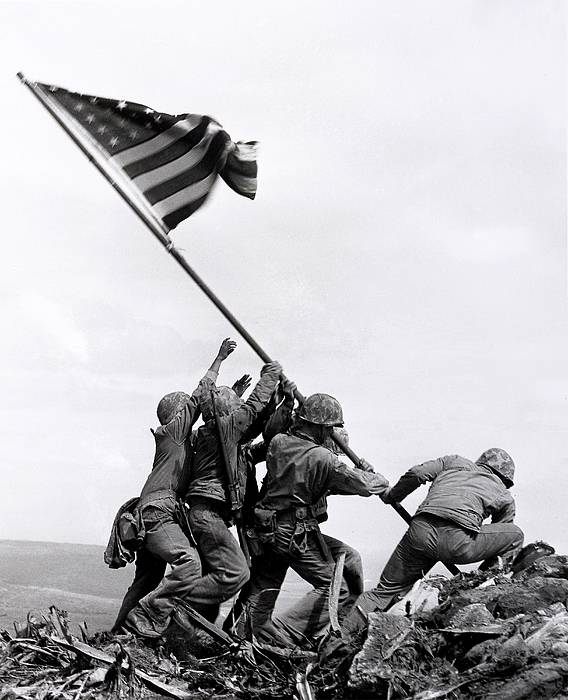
column 172, row 162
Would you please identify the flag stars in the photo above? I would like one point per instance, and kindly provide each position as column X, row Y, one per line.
column 90, row 118
column 93, row 100
column 113, row 141
column 121, row 105
column 133, row 134
column 148, row 110
column 78, row 107
column 101, row 129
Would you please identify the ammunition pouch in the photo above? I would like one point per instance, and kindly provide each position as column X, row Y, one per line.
column 305, row 523
column 265, row 525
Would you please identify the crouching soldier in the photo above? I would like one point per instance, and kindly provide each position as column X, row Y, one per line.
column 300, row 472
column 219, row 460
column 168, row 481
column 448, row 525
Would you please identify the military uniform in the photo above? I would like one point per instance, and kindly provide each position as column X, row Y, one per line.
column 448, row 525
column 165, row 541
column 210, row 516
column 300, row 471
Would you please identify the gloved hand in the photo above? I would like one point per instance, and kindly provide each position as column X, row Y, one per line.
column 288, row 388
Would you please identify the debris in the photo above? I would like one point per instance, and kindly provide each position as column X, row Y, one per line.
column 422, row 598
column 507, row 640
column 334, row 590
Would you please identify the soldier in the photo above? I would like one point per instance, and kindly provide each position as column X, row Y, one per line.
column 448, row 525
column 167, row 483
column 300, row 472
column 211, row 504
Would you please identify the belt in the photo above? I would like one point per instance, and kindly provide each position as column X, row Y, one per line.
column 295, row 513
column 160, row 495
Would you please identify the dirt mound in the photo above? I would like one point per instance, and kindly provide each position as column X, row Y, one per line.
column 499, row 637
column 477, row 636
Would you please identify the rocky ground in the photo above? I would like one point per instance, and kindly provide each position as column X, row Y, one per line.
column 479, row 635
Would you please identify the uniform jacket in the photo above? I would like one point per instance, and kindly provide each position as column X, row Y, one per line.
column 300, row 472
column 171, row 469
column 461, row 491
column 209, row 478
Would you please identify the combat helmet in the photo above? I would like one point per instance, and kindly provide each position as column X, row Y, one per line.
column 170, row 404
column 322, row 409
column 226, row 401
column 500, row 462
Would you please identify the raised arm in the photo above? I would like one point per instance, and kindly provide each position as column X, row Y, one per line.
column 227, row 347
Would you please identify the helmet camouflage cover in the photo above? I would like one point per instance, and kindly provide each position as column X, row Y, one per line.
column 500, row 462
column 226, row 401
column 171, row 404
column 322, row 409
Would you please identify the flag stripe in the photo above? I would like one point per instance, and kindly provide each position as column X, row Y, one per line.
column 202, row 170
column 170, row 170
column 185, row 196
column 170, row 152
column 240, row 169
column 155, row 144
column 172, row 220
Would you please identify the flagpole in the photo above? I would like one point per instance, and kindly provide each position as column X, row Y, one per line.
column 83, row 140
column 160, row 231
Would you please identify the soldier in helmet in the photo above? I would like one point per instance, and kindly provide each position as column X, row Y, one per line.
column 165, row 541
column 300, row 472
column 236, row 422
column 447, row 526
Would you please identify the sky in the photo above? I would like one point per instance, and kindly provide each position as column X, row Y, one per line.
column 406, row 251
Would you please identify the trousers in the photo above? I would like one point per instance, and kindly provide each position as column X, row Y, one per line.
column 166, row 541
column 428, row 540
column 149, row 571
column 225, row 568
column 314, row 561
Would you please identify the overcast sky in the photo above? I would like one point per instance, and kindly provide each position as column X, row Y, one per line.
column 406, row 251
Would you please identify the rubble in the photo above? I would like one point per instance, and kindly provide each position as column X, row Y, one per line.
column 492, row 636
column 477, row 636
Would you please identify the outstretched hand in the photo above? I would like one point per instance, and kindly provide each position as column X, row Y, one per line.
column 227, row 347
column 242, row 384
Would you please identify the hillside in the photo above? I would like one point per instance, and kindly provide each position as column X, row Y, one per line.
column 73, row 577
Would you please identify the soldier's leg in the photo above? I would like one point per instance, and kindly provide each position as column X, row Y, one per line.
column 308, row 617
column 227, row 568
column 353, row 566
column 412, row 558
column 461, row 546
column 148, row 574
column 165, row 540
